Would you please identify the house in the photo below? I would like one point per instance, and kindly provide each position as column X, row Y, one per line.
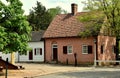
column 37, row 46
column 36, row 54
column 62, row 43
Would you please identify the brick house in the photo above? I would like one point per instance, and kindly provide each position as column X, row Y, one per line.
column 62, row 41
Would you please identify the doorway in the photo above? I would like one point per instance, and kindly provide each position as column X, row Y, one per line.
column 31, row 55
column 55, row 52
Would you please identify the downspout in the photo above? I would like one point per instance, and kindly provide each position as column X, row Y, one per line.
column 44, row 51
column 95, row 50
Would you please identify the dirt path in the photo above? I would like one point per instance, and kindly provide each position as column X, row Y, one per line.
column 34, row 69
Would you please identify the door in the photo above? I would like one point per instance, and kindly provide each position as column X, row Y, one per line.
column 55, row 52
column 30, row 55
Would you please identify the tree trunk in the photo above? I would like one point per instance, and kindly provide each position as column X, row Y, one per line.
column 13, row 58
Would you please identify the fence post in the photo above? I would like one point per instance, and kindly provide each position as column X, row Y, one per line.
column 75, row 55
column 6, row 74
column 67, row 61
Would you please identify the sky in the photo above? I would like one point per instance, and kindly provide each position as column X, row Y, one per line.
column 64, row 4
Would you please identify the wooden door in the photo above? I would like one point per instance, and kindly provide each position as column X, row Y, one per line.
column 55, row 54
column 30, row 55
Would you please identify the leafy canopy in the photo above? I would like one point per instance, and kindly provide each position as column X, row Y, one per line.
column 55, row 11
column 111, row 11
column 92, row 21
column 40, row 18
column 14, row 29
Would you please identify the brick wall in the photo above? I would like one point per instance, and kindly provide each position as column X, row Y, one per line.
column 77, row 48
column 108, row 43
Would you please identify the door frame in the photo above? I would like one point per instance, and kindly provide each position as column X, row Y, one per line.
column 54, row 46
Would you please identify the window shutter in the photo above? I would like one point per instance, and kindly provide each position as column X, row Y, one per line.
column 35, row 51
column 102, row 49
column 89, row 49
column 40, row 51
column 64, row 49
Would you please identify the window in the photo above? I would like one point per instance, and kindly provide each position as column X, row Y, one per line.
column 67, row 49
column 102, row 49
column 54, row 45
column 86, row 49
column 38, row 51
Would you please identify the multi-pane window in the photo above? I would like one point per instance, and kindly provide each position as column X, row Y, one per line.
column 38, row 51
column 67, row 49
column 86, row 49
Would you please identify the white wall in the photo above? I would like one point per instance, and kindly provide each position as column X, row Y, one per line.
column 25, row 58
column 4, row 56
column 36, row 58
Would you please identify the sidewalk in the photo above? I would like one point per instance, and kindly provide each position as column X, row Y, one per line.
column 32, row 70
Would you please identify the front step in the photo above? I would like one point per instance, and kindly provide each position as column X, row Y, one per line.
column 53, row 62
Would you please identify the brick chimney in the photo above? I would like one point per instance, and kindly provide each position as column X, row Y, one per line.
column 74, row 8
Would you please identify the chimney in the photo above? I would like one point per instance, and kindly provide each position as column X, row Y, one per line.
column 74, row 8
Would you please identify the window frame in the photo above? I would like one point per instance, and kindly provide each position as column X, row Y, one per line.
column 84, row 50
column 38, row 51
column 89, row 49
column 69, row 48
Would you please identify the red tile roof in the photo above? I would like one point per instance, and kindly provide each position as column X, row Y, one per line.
column 64, row 25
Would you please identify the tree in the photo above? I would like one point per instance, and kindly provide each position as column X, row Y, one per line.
column 40, row 18
column 93, row 21
column 54, row 11
column 14, row 28
column 111, row 10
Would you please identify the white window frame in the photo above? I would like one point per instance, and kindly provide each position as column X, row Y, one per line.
column 86, row 49
column 69, row 48
column 38, row 51
column 54, row 46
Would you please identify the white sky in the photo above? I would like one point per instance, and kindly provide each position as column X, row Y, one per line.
column 64, row 4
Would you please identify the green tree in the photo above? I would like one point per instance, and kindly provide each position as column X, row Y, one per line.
column 93, row 21
column 111, row 10
column 14, row 28
column 40, row 18
column 54, row 11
